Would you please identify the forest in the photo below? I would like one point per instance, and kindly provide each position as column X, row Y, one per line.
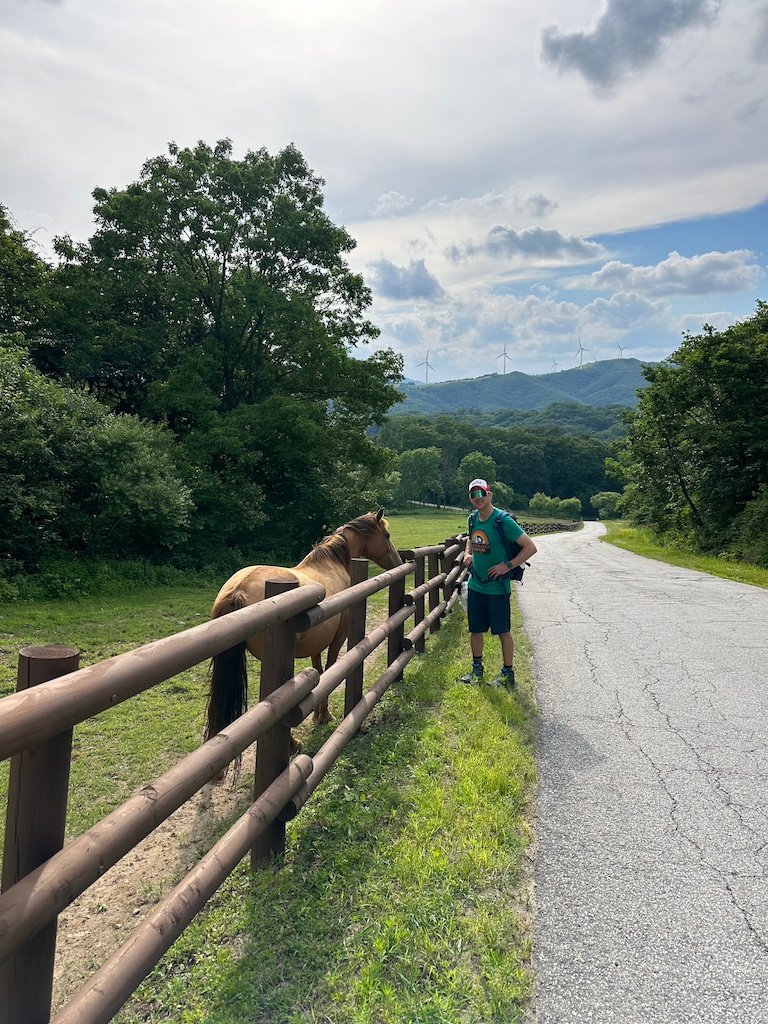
column 183, row 388
column 184, row 384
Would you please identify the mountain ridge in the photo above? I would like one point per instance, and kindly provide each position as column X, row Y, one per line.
column 606, row 382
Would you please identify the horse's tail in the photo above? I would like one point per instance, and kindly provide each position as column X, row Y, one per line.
column 228, row 696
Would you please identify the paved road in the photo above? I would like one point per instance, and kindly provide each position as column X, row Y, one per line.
column 652, row 813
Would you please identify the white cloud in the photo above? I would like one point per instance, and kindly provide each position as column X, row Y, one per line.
column 710, row 273
column 391, row 204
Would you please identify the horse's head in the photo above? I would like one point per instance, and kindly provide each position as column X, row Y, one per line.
column 372, row 540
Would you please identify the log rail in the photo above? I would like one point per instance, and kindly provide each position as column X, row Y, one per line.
column 40, row 878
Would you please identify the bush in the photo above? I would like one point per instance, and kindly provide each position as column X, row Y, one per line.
column 569, row 508
column 77, row 478
column 605, row 503
column 542, row 505
column 68, row 576
column 751, row 535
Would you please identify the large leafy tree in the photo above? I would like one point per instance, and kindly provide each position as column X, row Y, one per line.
column 215, row 297
column 696, row 454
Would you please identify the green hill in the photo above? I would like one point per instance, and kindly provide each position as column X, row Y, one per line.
column 607, row 382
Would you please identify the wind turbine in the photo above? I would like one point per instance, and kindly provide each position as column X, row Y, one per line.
column 580, row 353
column 505, row 357
column 555, row 365
column 427, row 367
column 621, row 350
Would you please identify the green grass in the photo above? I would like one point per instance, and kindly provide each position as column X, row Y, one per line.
column 424, row 528
column 136, row 741
column 403, row 896
column 644, row 542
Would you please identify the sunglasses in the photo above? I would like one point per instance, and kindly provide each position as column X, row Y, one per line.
column 477, row 492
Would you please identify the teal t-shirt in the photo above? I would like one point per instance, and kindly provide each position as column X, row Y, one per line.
column 487, row 550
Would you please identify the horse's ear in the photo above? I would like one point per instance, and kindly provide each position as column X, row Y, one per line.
column 379, row 514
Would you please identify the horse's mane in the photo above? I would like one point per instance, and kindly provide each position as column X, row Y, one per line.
column 365, row 524
column 334, row 547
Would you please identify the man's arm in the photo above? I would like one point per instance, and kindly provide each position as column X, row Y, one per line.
column 527, row 550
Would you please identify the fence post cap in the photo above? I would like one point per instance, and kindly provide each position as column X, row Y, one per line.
column 41, row 652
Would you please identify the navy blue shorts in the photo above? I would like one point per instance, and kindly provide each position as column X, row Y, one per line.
column 488, row 611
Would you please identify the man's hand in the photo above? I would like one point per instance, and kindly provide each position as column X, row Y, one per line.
column 467, row 559
column 498, row 570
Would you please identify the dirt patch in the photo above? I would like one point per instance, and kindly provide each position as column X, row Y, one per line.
column 93, row 927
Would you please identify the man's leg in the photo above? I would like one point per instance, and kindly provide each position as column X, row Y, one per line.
column 502, row 627
column 478, row 622
column 507, row 648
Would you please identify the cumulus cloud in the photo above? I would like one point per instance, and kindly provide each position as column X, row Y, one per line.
column 627, row 36
column 710, row 273
column 693, row 323
column 534, row 243
column 412, row 282
column 624, row 311
column 391, row 204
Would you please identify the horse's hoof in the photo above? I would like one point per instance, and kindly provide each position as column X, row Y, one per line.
column 326, row 716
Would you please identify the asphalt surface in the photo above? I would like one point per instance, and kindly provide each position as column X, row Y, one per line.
column 652, row 807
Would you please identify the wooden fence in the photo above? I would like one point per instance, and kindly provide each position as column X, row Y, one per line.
column 41, row 876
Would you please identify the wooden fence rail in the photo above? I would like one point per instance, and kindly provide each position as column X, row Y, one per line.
column 36, row 891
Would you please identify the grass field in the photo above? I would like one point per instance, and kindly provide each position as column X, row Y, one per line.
column 643, row 542
column 404, row 893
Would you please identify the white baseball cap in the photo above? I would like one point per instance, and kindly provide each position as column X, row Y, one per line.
column 479, row 483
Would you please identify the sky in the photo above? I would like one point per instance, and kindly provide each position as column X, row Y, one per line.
column 531, row 186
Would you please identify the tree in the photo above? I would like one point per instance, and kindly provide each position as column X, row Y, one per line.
column 605, row 503
column 542, row 505
column 420, row 478
column 569, row 508
column 22, row 278
column 696, row 452
column 75, row 477
column 215, row 298
column 475, row 465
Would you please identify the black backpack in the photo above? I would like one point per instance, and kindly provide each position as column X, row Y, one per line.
column 511, row 547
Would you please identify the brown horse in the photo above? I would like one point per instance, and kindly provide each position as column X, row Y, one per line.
column 327, row 563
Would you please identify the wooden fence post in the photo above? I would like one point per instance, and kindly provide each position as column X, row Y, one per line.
column 433, row 568
column 395, row 638
column 353, row 690
column 418, row 580
column 273, row 749
column 35, row 821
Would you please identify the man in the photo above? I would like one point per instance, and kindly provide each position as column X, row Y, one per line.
column 489, row 586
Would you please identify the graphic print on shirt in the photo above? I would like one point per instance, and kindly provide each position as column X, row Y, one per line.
column 481, row 545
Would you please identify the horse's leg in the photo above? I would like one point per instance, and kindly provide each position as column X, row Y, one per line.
column 296, row 745
column 322, row 714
